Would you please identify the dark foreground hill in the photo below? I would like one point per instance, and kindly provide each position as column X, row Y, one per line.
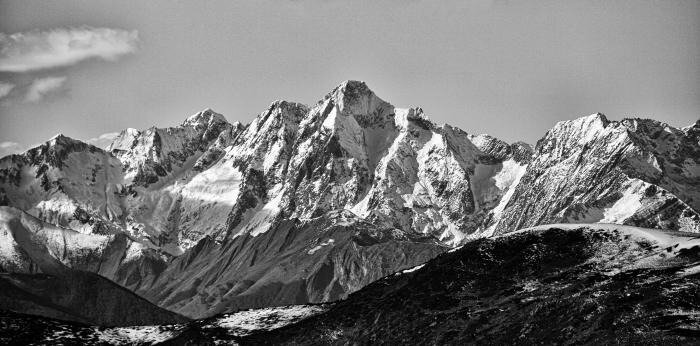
column 582, row 285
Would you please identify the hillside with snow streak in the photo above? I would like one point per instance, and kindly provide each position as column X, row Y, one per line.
column 553, row 284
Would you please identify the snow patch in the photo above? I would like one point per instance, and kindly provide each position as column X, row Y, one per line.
column 133, row 252
column 263, row 219
column 411, row 270
column 506, row 179
column 676, row 240
column 510, row 174
column 452, row 236
column 9, row 256
column 625, row 207
column 319, row 246
column 135, row 335
column 244, row 322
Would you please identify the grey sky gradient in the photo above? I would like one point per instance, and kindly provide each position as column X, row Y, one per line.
column 508, row 68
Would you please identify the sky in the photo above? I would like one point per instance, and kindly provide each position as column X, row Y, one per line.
column 511, row 69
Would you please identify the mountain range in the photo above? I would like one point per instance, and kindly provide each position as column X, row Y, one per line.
column 308, row 204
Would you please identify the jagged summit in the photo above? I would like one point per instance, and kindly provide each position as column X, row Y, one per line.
column 593, row 121
column 496, row 150
column 205, row 117
column 650, row 125
column 62, row 139
column 349, row 87
column 56, row 136
column 53, row 153
column 284, row 104
column 287, row 110
column 600, row 116
column 356, row 98
column 151, row 154
column 60, row 145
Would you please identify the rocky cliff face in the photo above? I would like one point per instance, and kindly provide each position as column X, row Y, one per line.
column 316, row 260
column 310, row 203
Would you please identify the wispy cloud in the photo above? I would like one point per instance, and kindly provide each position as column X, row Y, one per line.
column 38, row 50
column 42, row 87
column 5, row 89
column 103, row 140
column 7, row 148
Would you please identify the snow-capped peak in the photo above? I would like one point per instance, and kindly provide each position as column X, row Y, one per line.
column 356, row 98
column 56, row 137
column 64, row 142
column 350, row 86
column 590, row 123
column 569, row 134
column 287, row 110
column 205, row 117
column 61, row 139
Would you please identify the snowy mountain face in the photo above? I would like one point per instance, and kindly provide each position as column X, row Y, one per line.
column 154, row 153
column 638, row 172
column 311, row 203
column 65, row 182
column 392, row 167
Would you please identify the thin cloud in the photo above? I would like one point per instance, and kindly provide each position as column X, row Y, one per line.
column 103, row 140
column 5, row 89
column 8, row 148
column 42, row 87
column 38, row 50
